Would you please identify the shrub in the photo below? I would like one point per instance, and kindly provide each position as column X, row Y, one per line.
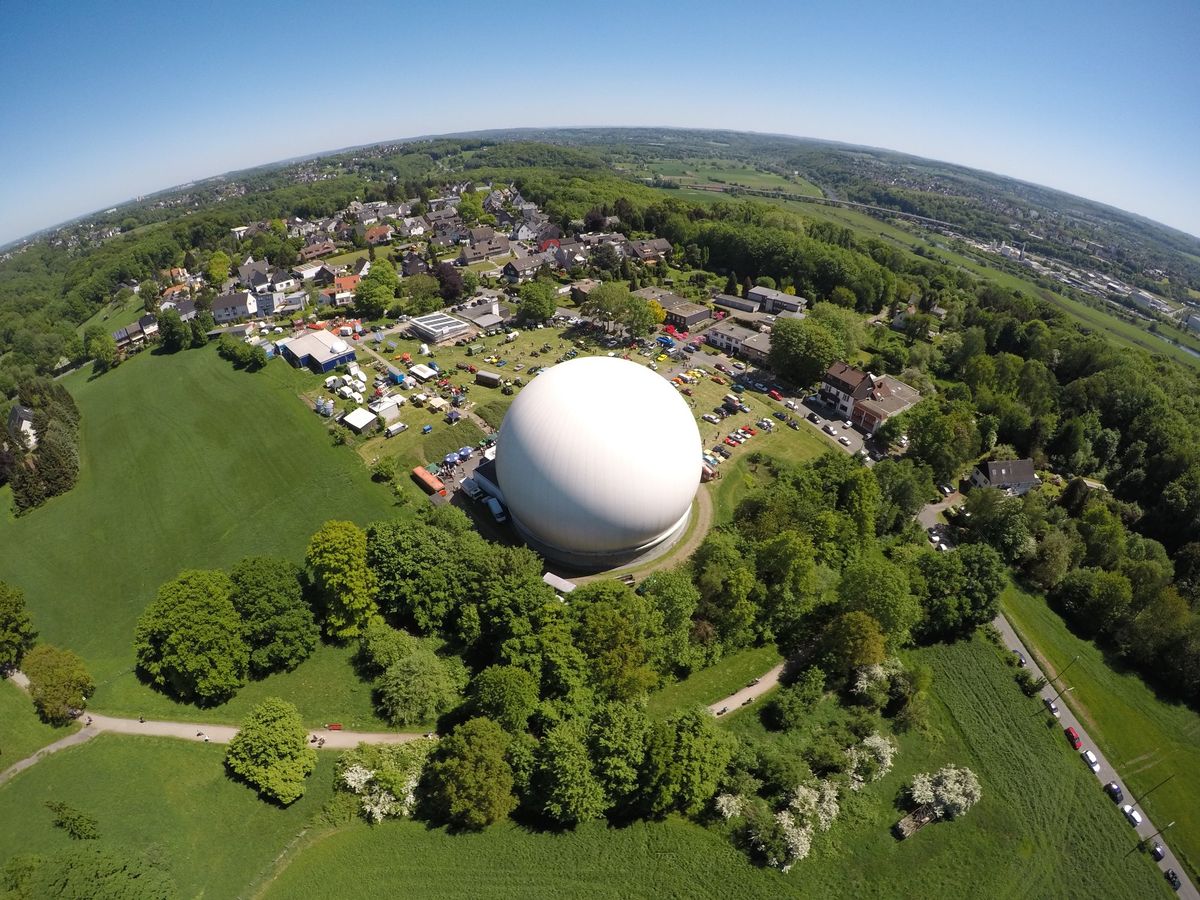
column 77, row 825
column 1029, row 683
column 271, row 752
column 59, row 682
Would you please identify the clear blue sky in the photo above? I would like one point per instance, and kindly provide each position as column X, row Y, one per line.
column 102, row 101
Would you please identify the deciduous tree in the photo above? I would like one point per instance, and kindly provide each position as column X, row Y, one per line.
column 470, row 781
column 58, row 682
column 190, row 641
column 344, row 584
column 271, row 752
column 17, row 633
column 280, row 629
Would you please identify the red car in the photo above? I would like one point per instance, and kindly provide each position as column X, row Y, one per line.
column 687, row 391
column 1073, row 737
column 718, row 379
column 775, row 395
column 731, row 442
column 750, row 431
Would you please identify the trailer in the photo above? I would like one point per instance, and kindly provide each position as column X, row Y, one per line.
column 431, row 483
column 487, row 379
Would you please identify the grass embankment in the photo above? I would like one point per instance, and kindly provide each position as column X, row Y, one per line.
column 116, row 315
column 163, row 797
column 1146, row 738
column 185, row 463
column 711, row 684
column 1043, row 829
column 22, row 733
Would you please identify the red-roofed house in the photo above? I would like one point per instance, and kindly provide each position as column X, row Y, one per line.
column 379, row 234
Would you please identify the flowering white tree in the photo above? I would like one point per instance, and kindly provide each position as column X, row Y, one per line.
column 384, row 777
column 828, row 805
column 730, row 805
column 951, row 791
column 882, row 750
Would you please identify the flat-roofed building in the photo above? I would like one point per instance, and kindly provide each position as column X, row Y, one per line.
column 438, row 326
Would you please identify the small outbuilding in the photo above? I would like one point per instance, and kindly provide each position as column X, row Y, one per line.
column 360, row 420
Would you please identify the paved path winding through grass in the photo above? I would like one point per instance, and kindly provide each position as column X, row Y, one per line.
column 192, row 731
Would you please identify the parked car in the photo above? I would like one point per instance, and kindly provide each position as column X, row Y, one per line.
column 844, row 441
column 946, row 489
column 1020, row 658
column 1114, row 790
column 847, row 424
column 814, row 418
column 738, row 364
column 1173, row 879
column 731, row 442
column 1053, row 707
column 829, row 428
column 721, row 367
column 1073, row 737
column 1134, row 817
column 1157, row 852
column 790, row 404
column 1090, row 758
column 709, row 417
column 780, row 415
column 793, row 424
column 774, row 394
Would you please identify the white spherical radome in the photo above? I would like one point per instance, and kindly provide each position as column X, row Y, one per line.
column 598, row 458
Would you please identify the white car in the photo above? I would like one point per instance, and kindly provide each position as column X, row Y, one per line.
column 709, row 417
column 1090, row 758
column 844, row 441
column 829, row 428
column 1134, row 817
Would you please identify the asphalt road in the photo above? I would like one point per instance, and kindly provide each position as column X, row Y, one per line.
column 1107, row 773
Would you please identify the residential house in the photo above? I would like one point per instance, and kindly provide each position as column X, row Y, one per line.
column 582, row 288
column 283, row 281
column 444, row 216
column 20, row 426
column 361, row 267
column 413, row 264
column 129, row 337
column 487, row 315
column 727, row 337
column 254, row 268
column 839, row 385
column 524, row 268
column 526, row 231
column 773, row 301
column 179, row 275
column 757, row 347
column 571, row 255
column 289, row 304
column 481, row 234
column 866, row 400
column 320, row 247
column 173, row 294
column 651, row 250
column 498, row 245
column 1014, row 476
column 149, row 325
column 185, row 306
column 885, row 397
column 237, row 305
column 412, row 226
column 378, row 234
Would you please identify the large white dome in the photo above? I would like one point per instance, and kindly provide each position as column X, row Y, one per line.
column 598, row 459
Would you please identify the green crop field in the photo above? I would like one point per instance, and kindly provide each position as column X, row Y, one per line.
column 1145, row 738
column 185, row 463
column 719, row 680
column 22, row 732
column 164, row 797
column 1043, row 828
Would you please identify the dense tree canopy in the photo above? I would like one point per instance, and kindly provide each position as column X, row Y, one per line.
column 279, row 625
column 344, row 584
column 271, row 753
column 190, row 641
column 58, row 682
column 17, row 633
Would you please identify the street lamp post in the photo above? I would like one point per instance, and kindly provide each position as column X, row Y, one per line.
column 1138, row 800
column 1157, row 833
column 1060, row 693
column 1064, row 671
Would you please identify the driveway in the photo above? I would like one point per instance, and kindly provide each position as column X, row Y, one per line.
column 1107, row 773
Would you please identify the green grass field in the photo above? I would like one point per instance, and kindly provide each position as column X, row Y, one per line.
column 1043, row 829
column 22, row 732
column 711, row 684
column 728, row 172
column 163, row 796
column 114, row 317
column 1145, row 738
column 185, row 463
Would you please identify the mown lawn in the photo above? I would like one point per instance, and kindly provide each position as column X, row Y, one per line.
column 1043, row 828
column 22, row 733
column 185, row 463
column 164, row 797
column 718, row 680
column 1145, row 737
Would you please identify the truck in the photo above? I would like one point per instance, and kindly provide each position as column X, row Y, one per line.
column 395, row 428
column 487, row 379
column 431, row 483
column 511, row 336
column 732, row 401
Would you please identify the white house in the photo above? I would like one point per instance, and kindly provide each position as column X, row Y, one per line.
column 238, row 305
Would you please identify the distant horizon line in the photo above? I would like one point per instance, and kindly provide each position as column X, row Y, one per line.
column 37, row 234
